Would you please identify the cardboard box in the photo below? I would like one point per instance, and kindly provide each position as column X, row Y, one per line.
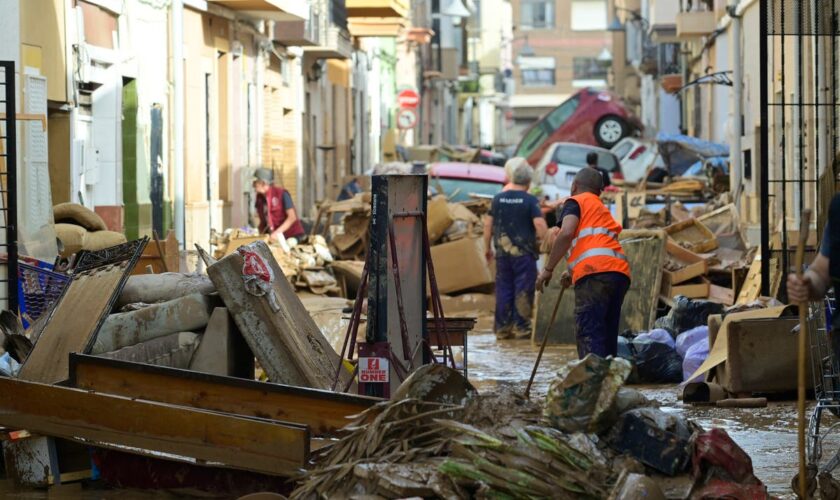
column 761, row 357
column 461, row 265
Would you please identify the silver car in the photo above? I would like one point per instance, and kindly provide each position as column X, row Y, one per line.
column 562, row 161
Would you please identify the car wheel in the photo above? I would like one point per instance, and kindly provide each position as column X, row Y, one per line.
column 609, row 130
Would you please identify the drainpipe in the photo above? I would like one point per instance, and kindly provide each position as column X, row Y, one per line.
column 797, row 115
column 735, row 148
column 822, row 150
column 177, row 41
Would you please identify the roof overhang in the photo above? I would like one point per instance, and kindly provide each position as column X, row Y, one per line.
column 274, row 10
column 361, row 27
column 378, row 8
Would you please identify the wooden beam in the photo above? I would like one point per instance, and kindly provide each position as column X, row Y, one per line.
column 323, row 411
column 142, row 427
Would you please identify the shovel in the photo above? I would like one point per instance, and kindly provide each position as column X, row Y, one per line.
column 544, row 341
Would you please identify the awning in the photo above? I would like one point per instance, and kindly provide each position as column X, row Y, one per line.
column 275, row 10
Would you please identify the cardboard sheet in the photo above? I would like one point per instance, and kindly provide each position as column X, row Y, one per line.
column 719, row 351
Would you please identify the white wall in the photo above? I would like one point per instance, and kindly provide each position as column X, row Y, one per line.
column 721, row 123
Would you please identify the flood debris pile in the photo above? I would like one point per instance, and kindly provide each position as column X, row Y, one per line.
column 591, row 438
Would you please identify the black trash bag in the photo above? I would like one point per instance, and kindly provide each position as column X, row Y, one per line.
column 655, row 363
column 687, row 314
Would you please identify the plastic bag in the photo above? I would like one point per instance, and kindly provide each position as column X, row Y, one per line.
column 582, row 396
column 658, row 335
column 624, row 349
column 695, row 357
column 656, row 363
column 687, row 314
column 687, row 339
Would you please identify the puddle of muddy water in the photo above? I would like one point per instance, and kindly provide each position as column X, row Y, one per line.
column 768, row 435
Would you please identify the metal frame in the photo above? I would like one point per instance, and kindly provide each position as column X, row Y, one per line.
column 777, row 23
column 8, row 181
column 825, row 368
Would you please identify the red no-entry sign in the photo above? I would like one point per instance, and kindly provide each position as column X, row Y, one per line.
column 408, row 99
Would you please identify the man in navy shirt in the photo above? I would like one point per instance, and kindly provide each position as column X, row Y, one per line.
column 514, row 225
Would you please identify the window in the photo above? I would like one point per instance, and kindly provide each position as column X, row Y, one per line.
column 589, row 15
column 536, row 14
column 537, row 71
column 576, row 157
column 563, row 112
column 588, row 68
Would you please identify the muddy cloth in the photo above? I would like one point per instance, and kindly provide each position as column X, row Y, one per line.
column 515, row 281
column 513, row 215
column 598, row 300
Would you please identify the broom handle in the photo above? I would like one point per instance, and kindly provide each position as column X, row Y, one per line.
column 544, row 342
column 803, row 345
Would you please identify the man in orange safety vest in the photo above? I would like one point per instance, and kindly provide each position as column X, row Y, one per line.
column 587, row 235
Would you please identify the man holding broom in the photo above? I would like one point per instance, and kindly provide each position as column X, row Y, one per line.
column 588, row 238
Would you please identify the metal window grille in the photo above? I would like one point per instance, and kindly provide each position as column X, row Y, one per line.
column 798, row 50
column 8, row 189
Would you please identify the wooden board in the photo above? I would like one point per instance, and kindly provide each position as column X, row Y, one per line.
column 698, row 290
column 74, row 321
column 751, row 288
column 278, row 329
column 152, row 428
column 323, row 411
column 645, row 250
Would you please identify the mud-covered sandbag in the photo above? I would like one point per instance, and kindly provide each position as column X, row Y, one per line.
column 687, row 314
column 694, row 357
column 100, row 240
column 73, row 213
column 72, row 238
column 154, row 288
column 583, row 395
column 656, row 363
column 687, row 339
column 658, row 335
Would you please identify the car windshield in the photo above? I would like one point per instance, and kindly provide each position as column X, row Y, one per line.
column 535, row 137
column 463, row 189
column 570, row 154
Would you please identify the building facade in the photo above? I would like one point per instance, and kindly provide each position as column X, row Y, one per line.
column 559, row 48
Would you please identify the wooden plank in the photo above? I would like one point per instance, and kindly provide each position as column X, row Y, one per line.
column 721, row 295
column 645, row 250
column 699, row 290
column 78, row 315
column 280, row 332
column 323, row 411
column 254, row 444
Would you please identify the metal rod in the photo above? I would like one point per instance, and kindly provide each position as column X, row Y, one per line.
column 764, row 161
column 801, row 359
column 544, row 342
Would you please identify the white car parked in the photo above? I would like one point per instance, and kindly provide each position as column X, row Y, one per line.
column 636, row 157
column 562, row 160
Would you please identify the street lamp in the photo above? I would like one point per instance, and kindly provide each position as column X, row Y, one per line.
column 455, row 8
column 526, row 50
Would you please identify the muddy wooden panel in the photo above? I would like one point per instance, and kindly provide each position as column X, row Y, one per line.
column 284, row 338
column 77, row 316
column 222, row 350
column 153, row 428
column 323, row 411
column 645, row 250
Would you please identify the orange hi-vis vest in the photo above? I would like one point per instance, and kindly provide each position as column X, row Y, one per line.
column 595, row 248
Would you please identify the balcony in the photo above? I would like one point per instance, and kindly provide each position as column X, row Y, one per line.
column 695, row 24
column 376, row 26
column 275, row 10
column 298, row 33
column 334, row 43
column 378, row 8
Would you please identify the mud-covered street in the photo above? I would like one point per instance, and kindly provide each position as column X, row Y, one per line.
column 768, row 435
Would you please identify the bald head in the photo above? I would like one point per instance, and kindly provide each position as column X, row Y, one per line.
column 588, row 180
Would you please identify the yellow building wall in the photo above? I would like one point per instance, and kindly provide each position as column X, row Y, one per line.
column 43, row 39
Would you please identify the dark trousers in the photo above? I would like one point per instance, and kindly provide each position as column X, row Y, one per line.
column 515, row 281
column 598, row 300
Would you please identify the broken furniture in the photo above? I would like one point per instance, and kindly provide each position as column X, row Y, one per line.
column 75, row 320
column 281, row 334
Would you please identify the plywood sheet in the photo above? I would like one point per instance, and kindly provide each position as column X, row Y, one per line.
column 645, row 250
column 77, row 316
